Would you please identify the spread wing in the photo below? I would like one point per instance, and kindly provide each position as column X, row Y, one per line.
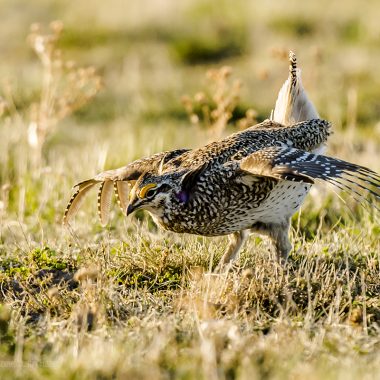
column 116, row 180
column 283, row 163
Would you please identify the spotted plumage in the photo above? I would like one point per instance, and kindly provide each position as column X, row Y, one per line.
column 251, row 181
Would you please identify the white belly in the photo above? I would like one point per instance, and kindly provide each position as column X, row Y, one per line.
column 285, row 199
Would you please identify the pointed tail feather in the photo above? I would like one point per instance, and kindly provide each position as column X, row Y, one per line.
column 293, row 104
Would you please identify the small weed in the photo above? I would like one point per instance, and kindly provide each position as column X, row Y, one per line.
column 215, row 107
column 14, row 268
column 46, row 258
column 65, row 87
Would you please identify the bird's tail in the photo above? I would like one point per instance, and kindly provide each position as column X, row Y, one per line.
column 292, row 104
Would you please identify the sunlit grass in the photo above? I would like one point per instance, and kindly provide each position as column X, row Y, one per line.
column 133, row 301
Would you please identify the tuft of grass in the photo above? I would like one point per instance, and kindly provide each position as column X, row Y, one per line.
column 46, row 258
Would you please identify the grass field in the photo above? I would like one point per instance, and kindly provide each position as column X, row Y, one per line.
column 130, row 301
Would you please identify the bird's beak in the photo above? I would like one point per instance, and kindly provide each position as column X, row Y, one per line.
column 134, row 202
column 131, row 207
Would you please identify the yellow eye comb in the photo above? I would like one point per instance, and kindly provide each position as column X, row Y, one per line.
column 146, row 188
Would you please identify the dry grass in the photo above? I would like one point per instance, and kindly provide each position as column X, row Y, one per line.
column 65, row 87
column 147, row 308
column 217, row 107
column 132, row 301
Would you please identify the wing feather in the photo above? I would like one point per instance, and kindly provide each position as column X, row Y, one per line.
column 120, row 177
column 301, row 166
column 121, row 191
column 104, row 201
column 76, row 200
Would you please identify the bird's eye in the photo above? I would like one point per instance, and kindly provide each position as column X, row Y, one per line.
column 148, row 191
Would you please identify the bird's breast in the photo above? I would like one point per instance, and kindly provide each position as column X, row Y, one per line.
column 218, row 209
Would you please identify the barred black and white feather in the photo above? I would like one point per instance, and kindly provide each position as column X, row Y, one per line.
column 290, row 164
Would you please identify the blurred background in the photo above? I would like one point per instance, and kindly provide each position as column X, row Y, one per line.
column 152, row 52
column 115, row 80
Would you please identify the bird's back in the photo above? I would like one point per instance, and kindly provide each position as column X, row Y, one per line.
column 308, row 135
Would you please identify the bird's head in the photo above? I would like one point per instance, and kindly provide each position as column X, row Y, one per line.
column 157, row 192
column 152, row 193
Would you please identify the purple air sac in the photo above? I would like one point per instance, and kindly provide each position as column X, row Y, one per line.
column 183, row 196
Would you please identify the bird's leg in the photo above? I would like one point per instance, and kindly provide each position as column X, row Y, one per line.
column 280, row 237
column 237, row 239
column 278, row 233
